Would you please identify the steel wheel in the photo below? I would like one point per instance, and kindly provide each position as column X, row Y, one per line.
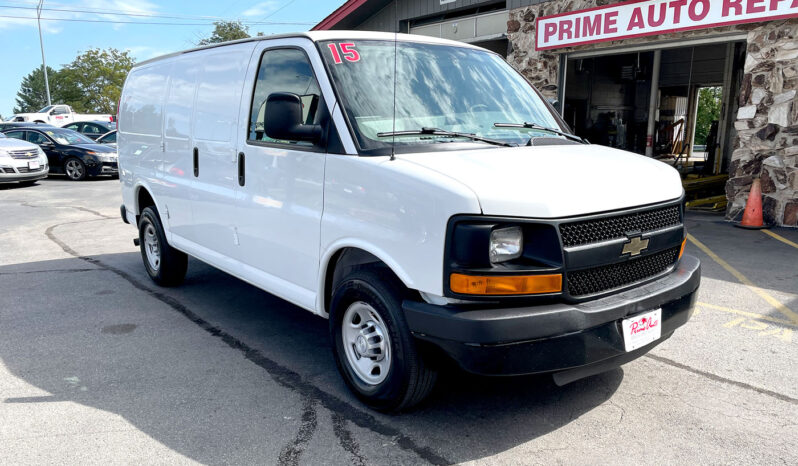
column 74, row 169
column 366, row 343
column 152, row 247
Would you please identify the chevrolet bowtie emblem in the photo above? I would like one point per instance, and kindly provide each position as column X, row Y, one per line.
column 635, row 246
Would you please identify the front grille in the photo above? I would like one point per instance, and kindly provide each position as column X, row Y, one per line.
column 607, row 277
column 607, row 228
column 23, row 154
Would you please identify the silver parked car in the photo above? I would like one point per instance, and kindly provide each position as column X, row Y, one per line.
column 21, row 161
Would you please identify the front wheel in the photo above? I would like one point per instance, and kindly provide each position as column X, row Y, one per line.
column 165, row 265
column 373, row 347
column 75, row 169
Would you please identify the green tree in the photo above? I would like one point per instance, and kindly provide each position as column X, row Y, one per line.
column 224, row 31
column 95, row 79
column 32, row 94
column 709, row 102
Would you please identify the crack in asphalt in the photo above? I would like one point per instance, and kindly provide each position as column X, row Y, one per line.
column 717, row 378
column 290, row 454
column 27, row 272
column 281, row 374
column 80, row 208
column 346, row 440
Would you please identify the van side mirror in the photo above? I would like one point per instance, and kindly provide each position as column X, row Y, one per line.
column 283, row 119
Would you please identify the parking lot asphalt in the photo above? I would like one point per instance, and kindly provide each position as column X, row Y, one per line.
column 99, row 365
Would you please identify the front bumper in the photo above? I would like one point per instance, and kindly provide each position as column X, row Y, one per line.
column 582, row 338
column 102, row 168
column 6, row 176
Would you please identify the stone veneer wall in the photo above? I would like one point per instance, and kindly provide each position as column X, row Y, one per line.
column 766, row 144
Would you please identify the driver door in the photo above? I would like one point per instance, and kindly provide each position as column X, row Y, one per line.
column 281, row 192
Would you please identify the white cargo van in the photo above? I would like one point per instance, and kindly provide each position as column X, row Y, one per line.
column 417, row 192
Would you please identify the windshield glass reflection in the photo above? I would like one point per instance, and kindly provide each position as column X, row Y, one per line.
column 451, row 88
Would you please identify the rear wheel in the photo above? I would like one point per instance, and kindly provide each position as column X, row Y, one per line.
column 165, row 265
column 75, row 169
column 374, row 349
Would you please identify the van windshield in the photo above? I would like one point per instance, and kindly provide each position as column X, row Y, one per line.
column 454, row 89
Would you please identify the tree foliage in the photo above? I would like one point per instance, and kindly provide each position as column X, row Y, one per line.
column 224, row 31
column 98, row 76
column 709, row 103
column 92, row 83
column 32, row 93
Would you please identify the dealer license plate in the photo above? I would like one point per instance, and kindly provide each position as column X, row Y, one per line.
column 642, row 329
column 33, row 165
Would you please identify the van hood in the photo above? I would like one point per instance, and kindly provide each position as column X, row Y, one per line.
column 555, row 181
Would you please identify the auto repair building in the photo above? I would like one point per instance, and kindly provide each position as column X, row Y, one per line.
column 629, row 74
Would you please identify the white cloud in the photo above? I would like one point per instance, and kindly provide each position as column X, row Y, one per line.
column 260, row 9
column 103, row 7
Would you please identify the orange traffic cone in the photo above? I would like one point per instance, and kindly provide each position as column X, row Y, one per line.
column 752, row 216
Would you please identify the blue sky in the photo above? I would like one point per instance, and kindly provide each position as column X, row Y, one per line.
column 72, row 34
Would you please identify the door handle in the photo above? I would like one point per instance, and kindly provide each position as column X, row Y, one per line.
column 241, row 169
column 196, row 162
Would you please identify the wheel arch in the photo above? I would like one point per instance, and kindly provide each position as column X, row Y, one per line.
column 344, row 257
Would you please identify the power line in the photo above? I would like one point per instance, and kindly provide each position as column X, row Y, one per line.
column 98, row 11
column 150, row 23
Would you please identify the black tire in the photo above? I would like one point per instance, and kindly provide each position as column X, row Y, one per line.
column 409, row 379
column 170, row 268
column 75, row 169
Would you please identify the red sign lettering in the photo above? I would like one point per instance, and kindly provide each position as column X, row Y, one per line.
column 752, row 6
column 661, row 19
column 637, row 20
column 610, row 20
column 691, row 12
column 729, row 4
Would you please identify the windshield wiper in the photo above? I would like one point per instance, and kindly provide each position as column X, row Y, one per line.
column 538, row 127
column 443, row 132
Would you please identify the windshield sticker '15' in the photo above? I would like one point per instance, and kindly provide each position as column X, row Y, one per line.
column 348, row 52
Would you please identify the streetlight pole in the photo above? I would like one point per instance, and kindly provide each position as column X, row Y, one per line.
column 41, row 44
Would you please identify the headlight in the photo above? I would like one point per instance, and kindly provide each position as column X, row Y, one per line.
column 109, row 157
column 506, row 244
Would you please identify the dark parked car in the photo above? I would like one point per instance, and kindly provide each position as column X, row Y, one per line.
column 108, row 138
column 70, row 152
column 92, row 129
column 4, row 125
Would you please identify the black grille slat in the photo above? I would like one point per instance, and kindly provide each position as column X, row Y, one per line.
column 608, row 277
column 607, row 228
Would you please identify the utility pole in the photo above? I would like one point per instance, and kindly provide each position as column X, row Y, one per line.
column 41, row 44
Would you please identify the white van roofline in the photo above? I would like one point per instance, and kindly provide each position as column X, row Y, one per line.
column 317, row 36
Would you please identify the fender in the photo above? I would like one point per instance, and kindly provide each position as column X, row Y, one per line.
column 372, row 249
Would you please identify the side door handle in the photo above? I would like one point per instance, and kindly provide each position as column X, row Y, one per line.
column 241, row 169
column 196, row 162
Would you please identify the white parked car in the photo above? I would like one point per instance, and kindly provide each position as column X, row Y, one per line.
column 417, row 192
column 59, row 115
column 21, row 161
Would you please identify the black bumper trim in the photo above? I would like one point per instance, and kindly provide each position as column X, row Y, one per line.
column 552, row 337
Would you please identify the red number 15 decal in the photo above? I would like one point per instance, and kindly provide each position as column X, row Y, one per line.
column 347, row 51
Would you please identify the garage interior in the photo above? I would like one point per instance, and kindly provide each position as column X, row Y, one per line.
column 607, row 99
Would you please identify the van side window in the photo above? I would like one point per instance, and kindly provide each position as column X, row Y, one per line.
column 283, row 70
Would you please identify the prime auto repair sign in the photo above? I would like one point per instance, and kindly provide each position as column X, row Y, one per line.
column 639, row 18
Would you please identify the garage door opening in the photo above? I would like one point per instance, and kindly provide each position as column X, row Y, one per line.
column 607, row 99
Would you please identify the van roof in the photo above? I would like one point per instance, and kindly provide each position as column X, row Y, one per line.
column 318, row 36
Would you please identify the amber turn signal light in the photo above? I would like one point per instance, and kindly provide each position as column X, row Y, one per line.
column 505, row 285
column 681, row 251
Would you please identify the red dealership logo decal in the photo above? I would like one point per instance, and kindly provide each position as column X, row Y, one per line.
column 639, row 18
